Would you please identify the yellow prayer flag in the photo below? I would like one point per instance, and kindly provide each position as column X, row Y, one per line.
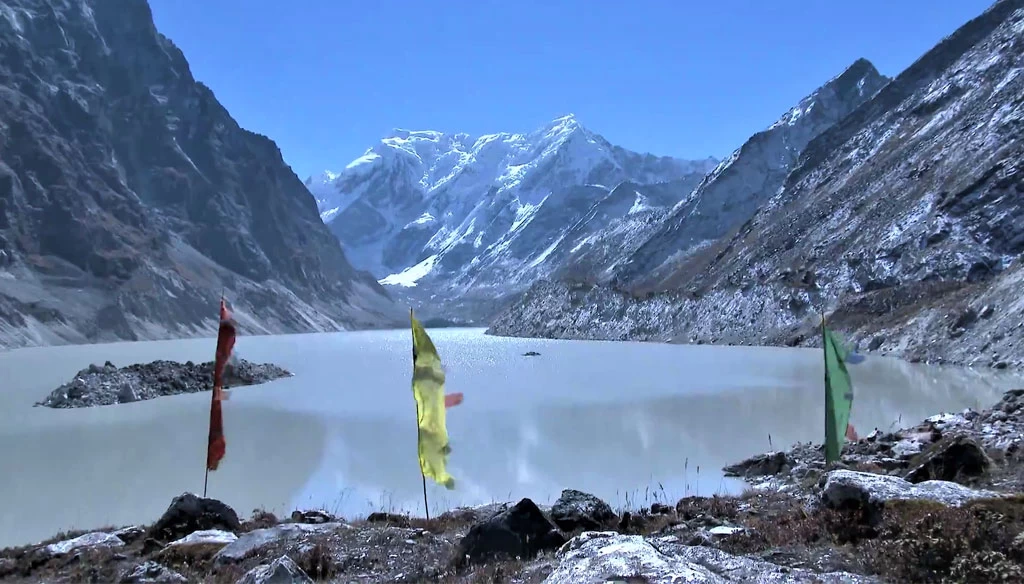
column 428, row 389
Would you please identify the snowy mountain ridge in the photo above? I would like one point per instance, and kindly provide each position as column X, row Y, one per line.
column 487, row 215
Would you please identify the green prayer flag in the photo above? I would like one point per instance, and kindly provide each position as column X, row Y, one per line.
column 838, row 395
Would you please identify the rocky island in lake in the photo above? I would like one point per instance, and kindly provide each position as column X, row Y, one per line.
column 107, row 384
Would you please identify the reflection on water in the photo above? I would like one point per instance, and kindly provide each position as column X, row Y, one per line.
column 627, row 421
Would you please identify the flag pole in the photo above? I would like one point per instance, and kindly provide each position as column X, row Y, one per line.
column 423, row 477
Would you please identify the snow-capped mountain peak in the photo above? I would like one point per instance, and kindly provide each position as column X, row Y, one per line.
column 423, row 205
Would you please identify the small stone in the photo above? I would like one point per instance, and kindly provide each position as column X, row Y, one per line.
column 89, row 540
column 130, row 534
column 313, row 517
column 283, row 570
column 153, row 573
column 127, row 394
column 207, row 537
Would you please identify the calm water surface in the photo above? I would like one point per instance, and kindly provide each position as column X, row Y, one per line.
column 630, row 422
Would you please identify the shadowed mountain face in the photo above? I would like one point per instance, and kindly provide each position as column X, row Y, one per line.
column 905, row 220
column 129, row 197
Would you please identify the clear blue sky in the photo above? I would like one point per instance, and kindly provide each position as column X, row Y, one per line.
column 326, row 79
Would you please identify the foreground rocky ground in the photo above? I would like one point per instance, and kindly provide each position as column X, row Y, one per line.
column 938, row 502
column 105, row 385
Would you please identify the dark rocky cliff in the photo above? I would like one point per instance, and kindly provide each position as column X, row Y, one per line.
column 129, row 197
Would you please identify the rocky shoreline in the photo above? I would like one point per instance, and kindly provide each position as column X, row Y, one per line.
column 101, row 385
column 939, row 501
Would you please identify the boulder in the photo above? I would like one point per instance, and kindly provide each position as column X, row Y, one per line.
column 283, row 570
column 578, row 510
column 189, row 513
column 260, row 538
column 847, row 489
column 152, row 573
column 95, row 539
column 600, row 557
column 951, row 459
column 521, row 531
column 769, row 464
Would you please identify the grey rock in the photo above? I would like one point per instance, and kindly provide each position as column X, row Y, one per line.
column 521, row 531
column 955, row 459
column 127, row 394
column 207, row 537
column 7, row 567
column 315, row 517
column 131, row 533
column 283, row 570
column 152, row 573
column 578, row 510
column 594, row 557
column 768, row 464
column 852, row 489
column 188, row 513
column 386, row 518
column 257, row 539
column 601, row 557
column 478, row 513
column 748, row 569
column 89, row 540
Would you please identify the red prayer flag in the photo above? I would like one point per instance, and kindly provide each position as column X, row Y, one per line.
column 225, row 343
column 851, row 433
column 452, row 399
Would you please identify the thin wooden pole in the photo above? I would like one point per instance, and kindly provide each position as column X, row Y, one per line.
column 423, row 477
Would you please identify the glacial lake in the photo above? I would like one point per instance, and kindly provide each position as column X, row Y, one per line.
column 633, row 423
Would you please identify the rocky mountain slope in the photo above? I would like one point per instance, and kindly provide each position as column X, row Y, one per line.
column 129, row 197
column 461, row 222
column 905, row 221
column 755, row 172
